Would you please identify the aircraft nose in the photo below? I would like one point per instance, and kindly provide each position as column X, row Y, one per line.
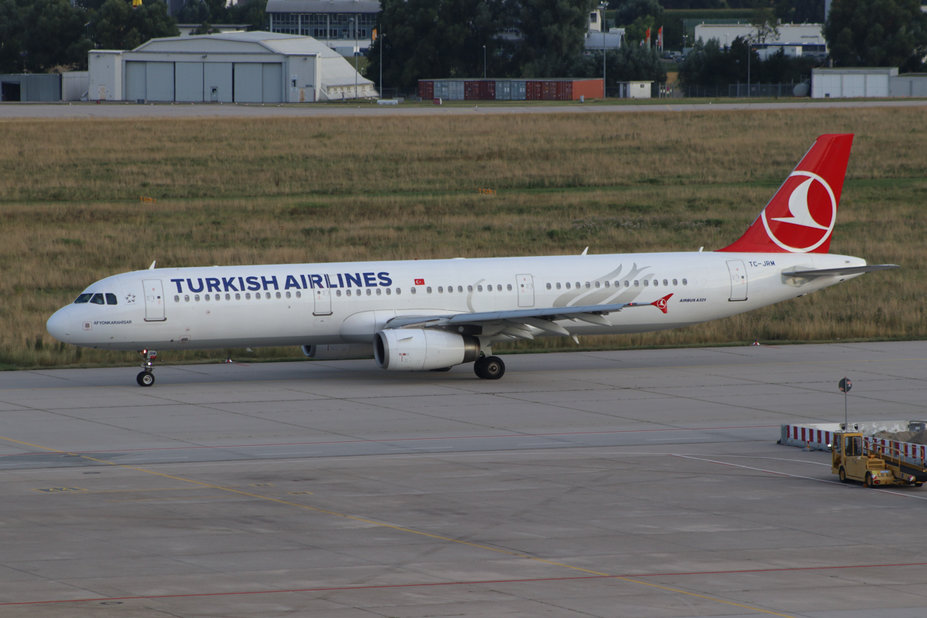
column 59, row 326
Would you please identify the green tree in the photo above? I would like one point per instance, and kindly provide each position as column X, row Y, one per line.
column 12, row 44
column 627, row 11
column 634, row 63
column 54, row 35
column 450, row 38
column 118, row 25
column 552, row 34
column 435, row 39
column 877, row 33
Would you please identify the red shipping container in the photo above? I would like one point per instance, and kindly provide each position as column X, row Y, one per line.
column 426, row 89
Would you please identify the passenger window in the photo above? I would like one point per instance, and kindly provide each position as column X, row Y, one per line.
column 111, row 299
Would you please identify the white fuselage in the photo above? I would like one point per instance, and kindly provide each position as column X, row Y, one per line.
column 336, row 303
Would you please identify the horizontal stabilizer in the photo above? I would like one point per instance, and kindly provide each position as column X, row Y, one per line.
column 836, row 272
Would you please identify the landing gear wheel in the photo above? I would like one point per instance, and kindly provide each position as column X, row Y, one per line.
column 489, row 368
column 146, row 377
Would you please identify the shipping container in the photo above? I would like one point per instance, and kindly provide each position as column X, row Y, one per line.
column 426, row 89
column 510, row 89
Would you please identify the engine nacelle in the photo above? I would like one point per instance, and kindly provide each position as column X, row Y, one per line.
column 338, row 351
column 411, row 349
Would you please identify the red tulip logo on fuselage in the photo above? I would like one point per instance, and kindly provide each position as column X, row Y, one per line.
column 804, row 221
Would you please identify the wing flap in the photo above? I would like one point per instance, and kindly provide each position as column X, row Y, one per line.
column 515, row 323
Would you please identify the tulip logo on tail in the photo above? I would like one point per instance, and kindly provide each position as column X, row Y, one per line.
column 806, row 220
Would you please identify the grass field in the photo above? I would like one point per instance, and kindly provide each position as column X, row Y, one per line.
column 243, row 191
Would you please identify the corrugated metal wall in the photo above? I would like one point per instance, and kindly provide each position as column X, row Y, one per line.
column 509, row 89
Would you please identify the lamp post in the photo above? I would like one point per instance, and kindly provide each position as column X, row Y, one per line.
column 484, row 62
column 381, row 61
column 354, row 27
column 603, row 5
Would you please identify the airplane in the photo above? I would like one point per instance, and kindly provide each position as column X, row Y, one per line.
column 434, row 314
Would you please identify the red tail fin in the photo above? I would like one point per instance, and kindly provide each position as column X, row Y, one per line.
column 800, row 217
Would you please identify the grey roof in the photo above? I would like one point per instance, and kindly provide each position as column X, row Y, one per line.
column 323, row 6
column 274, row 42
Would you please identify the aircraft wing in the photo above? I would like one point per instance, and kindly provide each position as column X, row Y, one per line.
column 836, row 272
column 513, row 323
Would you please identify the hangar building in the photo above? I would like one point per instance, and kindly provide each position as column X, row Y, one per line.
column 234, row 67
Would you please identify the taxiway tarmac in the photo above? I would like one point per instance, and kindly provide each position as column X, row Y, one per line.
column 627, row 483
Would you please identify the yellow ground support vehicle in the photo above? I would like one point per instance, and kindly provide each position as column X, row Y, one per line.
column 851, row 460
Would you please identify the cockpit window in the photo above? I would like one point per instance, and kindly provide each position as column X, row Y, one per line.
column 107, row 298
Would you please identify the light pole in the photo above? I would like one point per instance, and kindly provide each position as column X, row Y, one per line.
column 354, row 27
column 381, row 61
column 603, row 6
column 484, row 62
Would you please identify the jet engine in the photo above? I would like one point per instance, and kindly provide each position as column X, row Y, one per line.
column 403, row 349
column 338, row 351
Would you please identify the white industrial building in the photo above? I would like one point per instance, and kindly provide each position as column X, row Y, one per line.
column 792, row 39
column 235, row 67
column 858, row 82
column 344, row 25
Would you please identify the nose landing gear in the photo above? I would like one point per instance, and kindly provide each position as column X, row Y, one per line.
column 146, row 376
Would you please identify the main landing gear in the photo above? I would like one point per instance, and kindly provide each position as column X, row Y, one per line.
column 146, row 376
column 489, row 367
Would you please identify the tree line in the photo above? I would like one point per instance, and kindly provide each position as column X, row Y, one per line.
column 420, row 39
column 38, row 36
